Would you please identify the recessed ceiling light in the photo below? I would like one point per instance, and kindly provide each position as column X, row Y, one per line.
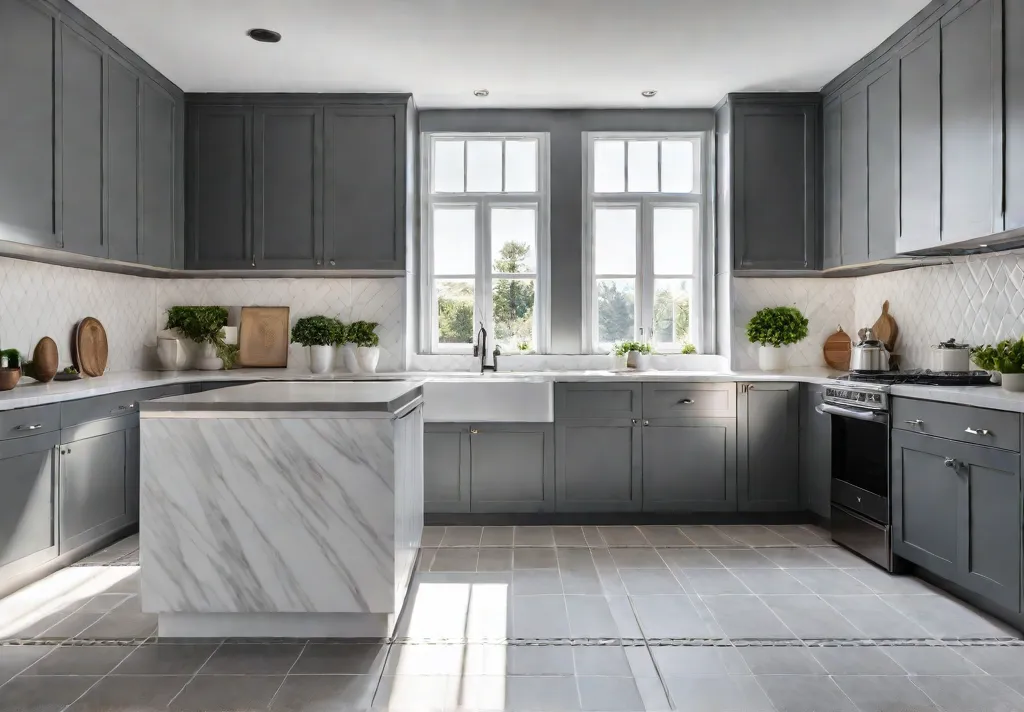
column 481, row 93
column 261, row 35
column 649, row 93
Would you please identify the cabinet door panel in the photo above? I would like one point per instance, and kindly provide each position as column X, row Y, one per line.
column 920, row 144
column 855, row 177
column 990, row 540
column 446, row 469
column 832, row 118
column 883, row 162
column 26, row 499
column 815, row 454
column 689, row 465
column 82, row 145
column 512, row 469
column 28, row 181
column 132, row 465
column 598, row 466
column 92, row 488
column 1013, row 100
column 768, row 447
column 122, row 167
column 159, row 111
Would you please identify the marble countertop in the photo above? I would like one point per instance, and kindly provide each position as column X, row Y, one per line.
column 381, row 397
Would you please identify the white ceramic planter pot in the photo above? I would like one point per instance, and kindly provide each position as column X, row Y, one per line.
column 348, row 355
column 771, row 358
column 208, row 359
column 367, row 357
column 321, row 359
column 641, row 361
column 619, row 362
column 171, row 354
column 1013, row 382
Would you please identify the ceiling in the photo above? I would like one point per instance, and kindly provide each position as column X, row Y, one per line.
column 527, row 53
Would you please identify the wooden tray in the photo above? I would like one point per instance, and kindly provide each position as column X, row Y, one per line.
column 886, row 330
column 263, row 337
column 90, row 355
column 837, row 350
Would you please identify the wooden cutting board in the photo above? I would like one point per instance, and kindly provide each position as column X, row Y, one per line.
column 263, row 337
column 837, row 350
column 90, row 347
column 886, row 330
column 44, row 360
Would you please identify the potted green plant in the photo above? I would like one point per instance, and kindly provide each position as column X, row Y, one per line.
column 1008, row 358
column 347, row 345
column 688, row 349
column 321, row 334
column 10, row 369
column 363, row 334
column 984, row 357
column 773, row 328
column 204, row 326
column 636, row 354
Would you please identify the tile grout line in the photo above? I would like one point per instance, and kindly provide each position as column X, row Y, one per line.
column 196, row 673
column 104, row 676
column 568, row 622
column 289, row 672
column 654, row 661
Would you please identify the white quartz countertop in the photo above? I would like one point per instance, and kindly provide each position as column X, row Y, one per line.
column 979, row 396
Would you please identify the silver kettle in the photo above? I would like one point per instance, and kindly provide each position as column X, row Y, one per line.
column 870, row 355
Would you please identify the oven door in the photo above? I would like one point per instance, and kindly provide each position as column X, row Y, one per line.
column 860, row 460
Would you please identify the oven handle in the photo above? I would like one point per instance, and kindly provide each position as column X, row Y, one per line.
column 870, row 416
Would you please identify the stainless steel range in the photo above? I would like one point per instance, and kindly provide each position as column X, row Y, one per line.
column 859, row 407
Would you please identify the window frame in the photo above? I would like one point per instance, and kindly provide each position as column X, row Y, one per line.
column 484, row 202
column 645, row 202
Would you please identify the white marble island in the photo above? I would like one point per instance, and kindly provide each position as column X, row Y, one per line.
column 281, row 509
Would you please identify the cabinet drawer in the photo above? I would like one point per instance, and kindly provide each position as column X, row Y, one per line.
column 980, row 426
column 23, row 422
column 597, row 400
column 689, row 400
column 109, row 406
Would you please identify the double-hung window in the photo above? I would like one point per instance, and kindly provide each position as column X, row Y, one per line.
column 645, row 223
column 485, row 227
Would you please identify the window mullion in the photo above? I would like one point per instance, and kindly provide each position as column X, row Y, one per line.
column 646, row 268
column 484, row 267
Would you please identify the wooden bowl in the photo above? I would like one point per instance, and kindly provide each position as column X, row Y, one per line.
column 9, row 378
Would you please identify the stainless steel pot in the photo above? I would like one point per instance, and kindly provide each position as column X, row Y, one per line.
column 870, row 355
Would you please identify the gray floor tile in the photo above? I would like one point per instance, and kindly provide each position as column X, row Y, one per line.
column 136, row 692
column 532, row 582
column 970, row 694
column 594, row 538
column 541, row 694
column 636, row 558
column 105, row 602
column 713, row 581
column 834, row 582
column 805, row 693
column 753, row 535
column 432, row 536
column 795, row 558
column 426, row 558
column 535, row 558
column 1016, row 682
column 448, row 659
column 455, row 559
column 534, row 536
column 745, row 617
column 683, row 661
column 607, row 572
column 718, row 693
column 743, row 559
column 781, row 661
column 946, row 618
column 769, row 581
column 324, row 693
column 582, row 581
column 569, row 536
column 494, row 559
column 462, row 536
column 875, row 618
column 85, row 660
column 601, row 660
column 707, row 536
column 539, row 617
column 884, row 694
column 415, row 692
column 665, row 536
column 15, row 658
column 227, row 692
column 856, row 660
column 166, row 660
column 497, row 536
column 623, row 536
column 641, row 664
column 671, row 617
column 689, row 559
column 883, row 582
column 811, row 617
column 128, row 584
column 653, row 694
column 591, row 617
column 38, row 628
column 640, row 582
column 573, row 559
column 120, row 626
column 996, row 660
column 609, row 694
column 932, row 661
column 44, row 693
column 801, row 535
column 540, row 660
column 341, row 659
column 838, row 556
column 252, row 659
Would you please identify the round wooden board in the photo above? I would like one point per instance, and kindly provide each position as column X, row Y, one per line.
column 837, row 350
column 91, row 347
column 44, row 359
column 886, row 330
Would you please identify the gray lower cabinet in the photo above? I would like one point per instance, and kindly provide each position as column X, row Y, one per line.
column 768, row 423
column 957, row 513
column 446, row 468
column 689, row 465
column 133, row 459
column 512, row 467
column 598, row 465
column 28, row 531
column 815, row 453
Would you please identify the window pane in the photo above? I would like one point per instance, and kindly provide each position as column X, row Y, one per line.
column 677, row 167
column 455, row 320
column 672, row 311
column 609, row 166
column 673, row 240
column 514, row 240
column 454, row 240
column 615, row 241
column 643, row 167
column 521, row 166
column 616, row 310
column 512, row 301
column 448, row 166
column 483, row 166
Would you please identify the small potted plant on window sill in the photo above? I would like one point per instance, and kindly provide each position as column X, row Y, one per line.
column 773, row 328
column 320, row 334
column 363, row 334
column 204, row 326
column 637, row 354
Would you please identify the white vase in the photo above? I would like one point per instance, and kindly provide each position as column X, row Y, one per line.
column 1013, row 382
column 771, row 358
column 208, row 359
column 171, row 353
column 368, row 356
column 641, row 361
column 619, row 362
column 321, row 359
column 348, row 355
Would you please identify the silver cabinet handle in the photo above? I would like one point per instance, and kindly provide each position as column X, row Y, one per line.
column 332, row 263
column 34, row 426
column 122, row 408
column 473, row 431
column 686, row 401
column 254, row 260
column 980, row 431
column 914, row 422
column 949, row 462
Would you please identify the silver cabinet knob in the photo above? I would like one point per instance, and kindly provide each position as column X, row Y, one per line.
column 319, row 262
column 949, row 462
column 979, row 431
column 647, row 422
column 473, row 431
column 635, row 421
column 914, row 422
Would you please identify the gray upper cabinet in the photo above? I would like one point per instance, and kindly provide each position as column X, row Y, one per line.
column 219, row 187
column 28, row 532
column 161, row 241
column 29, row 184
column 598, row 465
column 768, row 419
column 689, row 465
column 446, row 468
column 854, row 172
column 883, row 199
column 122, row 156
column 512, row 467
column 81, row 144
column 972, row 189
column 920, row 143
column 364, row 187
column 815, row 453
column 1013, row 102
column 775, row 180
column 832, row 122
column 288, row 187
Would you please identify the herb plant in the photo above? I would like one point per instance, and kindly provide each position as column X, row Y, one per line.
column 625, row 347
column 317, row 331
column 362, row 333
column 200, row 324
column 984, row 357
column 777, row 326
column 688, row 349
column 1006, row 357
column 13, row 357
